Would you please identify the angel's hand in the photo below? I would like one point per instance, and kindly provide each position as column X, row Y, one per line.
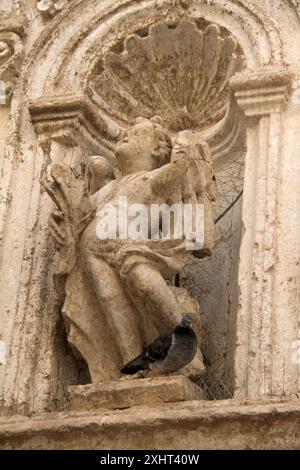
column 179, row 155
column 169, row 178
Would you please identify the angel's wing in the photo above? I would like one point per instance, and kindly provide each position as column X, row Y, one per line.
column 72, row 213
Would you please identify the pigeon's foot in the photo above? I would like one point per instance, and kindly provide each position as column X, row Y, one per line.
column 138, row 375
column 125, row 377
column 154, row 373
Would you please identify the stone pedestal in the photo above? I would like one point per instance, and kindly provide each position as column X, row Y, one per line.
column 134, row 392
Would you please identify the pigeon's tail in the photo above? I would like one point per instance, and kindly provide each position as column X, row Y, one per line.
column 140, row 362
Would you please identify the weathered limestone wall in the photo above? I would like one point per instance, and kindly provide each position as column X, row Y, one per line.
column 58, row 52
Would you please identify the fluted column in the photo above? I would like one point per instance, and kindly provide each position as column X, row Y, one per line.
column 265, row 333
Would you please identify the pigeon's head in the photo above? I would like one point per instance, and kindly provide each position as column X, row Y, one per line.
column 186, row 321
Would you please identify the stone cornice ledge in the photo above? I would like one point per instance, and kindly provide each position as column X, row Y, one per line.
column 51, row 114
column 228, row 424
column 262, row 92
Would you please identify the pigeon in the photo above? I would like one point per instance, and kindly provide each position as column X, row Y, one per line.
column 167, row 353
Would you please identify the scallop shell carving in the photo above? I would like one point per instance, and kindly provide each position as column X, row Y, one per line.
column 178, row 72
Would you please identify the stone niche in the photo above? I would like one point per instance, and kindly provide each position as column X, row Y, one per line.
column 179, row 70
column 229, row 72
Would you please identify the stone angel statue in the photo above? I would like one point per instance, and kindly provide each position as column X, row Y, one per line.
column 117, row 291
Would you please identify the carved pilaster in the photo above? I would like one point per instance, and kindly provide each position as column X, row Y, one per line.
column 262, row 96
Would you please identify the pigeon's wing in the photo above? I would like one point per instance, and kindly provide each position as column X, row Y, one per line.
column 159, row 348
column 140, row 362
column 156, row 351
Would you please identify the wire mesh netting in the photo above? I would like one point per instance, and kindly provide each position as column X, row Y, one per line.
column 199, row 277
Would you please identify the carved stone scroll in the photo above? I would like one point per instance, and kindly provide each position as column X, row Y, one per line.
column 10, row 59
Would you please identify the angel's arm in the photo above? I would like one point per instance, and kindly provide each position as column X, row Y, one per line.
column 171, row 174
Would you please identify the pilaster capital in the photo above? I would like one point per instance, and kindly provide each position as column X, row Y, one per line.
column 262, row 92
column 65, row 116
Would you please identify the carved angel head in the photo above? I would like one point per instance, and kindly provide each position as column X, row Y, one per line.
column 143, row 147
